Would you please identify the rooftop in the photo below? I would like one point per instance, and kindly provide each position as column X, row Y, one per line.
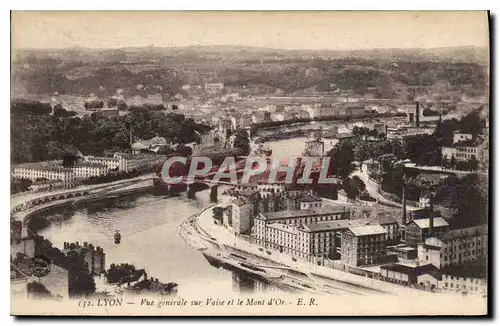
column 425, row 222
column 467, row 143
column 475, row 270
column 304, row 213
column 283, row 227
column 386, row 218
column 332, row 225
column 367, row 230
column 405, row 249
column 457, row 233
column 417, row 270
column 45, row 166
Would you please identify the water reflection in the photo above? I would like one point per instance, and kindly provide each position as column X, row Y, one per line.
column 149, row 225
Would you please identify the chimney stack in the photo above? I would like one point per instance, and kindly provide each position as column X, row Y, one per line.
column 417, row 114
column 431, row 213
column 403, row 220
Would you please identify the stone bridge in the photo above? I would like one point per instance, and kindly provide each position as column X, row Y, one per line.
column 50, row 198
column 76, row 193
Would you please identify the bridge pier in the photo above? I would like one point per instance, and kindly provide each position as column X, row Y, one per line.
column 214, row 193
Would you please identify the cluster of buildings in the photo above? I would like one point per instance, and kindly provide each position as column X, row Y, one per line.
column 93, row 257
column 52, row 174
column 465, row 148
column 23, row 256
column 417, row 248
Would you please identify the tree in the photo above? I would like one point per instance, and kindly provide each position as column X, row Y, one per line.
column 353, row 187
column 241, row 141
column 122, row 106
column 341, row 158
column 453, row 162
column 467, row 197
column 80, row 280
column 473, row 164
column 40, row 137
column 60, row 112
column 18, row 185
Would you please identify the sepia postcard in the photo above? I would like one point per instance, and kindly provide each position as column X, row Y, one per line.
column 232, row 163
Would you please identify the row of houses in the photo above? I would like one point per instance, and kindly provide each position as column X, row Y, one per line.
column 86, row 167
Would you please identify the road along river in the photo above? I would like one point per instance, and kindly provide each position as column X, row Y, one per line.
column 150, row 227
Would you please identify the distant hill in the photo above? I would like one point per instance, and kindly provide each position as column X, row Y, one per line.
column 165, row 70
column 453, row 54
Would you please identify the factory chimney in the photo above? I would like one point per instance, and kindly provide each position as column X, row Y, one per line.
column 131, row 137
column 431, row 213
column 403, row 220
column 417, row 114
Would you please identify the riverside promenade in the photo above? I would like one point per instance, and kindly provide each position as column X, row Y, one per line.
column 221, row 235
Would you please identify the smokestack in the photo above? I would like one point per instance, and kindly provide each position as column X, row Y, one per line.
column 431, row 213
column 417, row 114
column 403, row 220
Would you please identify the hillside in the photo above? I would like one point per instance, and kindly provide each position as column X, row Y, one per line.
column 165, row 70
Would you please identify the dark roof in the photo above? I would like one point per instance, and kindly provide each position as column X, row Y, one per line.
column 465, row 232
column 468, row 143
column 384, row 218
column 417, row 270
column 428, row 246
column 475, row 270
column 337, row 225
column 310, row 212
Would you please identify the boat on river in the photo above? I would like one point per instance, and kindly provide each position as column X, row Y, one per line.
column 118, row 237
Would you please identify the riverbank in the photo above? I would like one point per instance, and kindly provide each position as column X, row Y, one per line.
column 222, row 237
column 38, row 204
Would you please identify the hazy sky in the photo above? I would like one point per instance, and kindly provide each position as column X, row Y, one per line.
column 291, row 30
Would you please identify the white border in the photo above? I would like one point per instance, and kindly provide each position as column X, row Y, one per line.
column 201, row 5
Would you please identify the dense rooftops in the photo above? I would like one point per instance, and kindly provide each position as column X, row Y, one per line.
column 424, row 223
column 367, row 230
column 304, row 213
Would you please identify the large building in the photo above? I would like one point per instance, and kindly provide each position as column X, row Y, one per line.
column 463, row 151
column 469, row 279
column 424, row 276
column 295, row 218
column 85, row 170
column 45, row 170
column 111, row 162
column 417, row 231
column 129, row 162
column 389, row 222
column 364, row 245
column 241, row 216
column 455, row 247
column 323, row 239
column 313, row 242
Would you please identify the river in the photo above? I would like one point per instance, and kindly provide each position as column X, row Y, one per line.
column 149, row 226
